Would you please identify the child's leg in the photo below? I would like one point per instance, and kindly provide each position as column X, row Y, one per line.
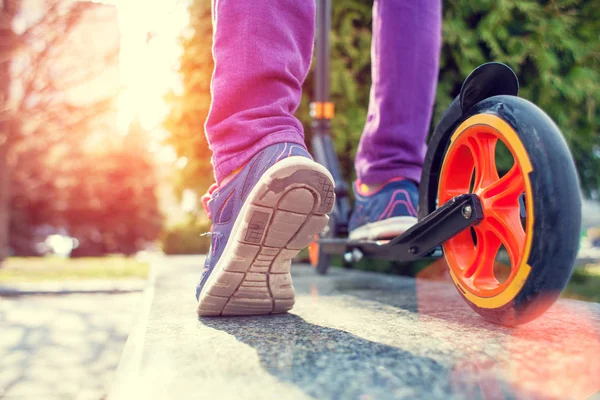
column 405, row 62
column 279, row 198
column 262, row 51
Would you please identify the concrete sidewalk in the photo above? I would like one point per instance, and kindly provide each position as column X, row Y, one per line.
column 355, row 335
column 63, row 347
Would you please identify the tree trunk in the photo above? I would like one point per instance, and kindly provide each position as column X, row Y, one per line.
column 4, row 200
column 8, row 39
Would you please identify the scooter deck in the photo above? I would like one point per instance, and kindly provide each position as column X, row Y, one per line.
column 419, row 241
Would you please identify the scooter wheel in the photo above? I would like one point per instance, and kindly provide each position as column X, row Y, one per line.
column 532, row 213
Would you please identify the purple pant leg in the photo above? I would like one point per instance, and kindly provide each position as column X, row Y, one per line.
column 405, row 56
column 262, row 51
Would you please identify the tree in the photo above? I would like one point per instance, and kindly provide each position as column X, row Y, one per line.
column 112, row 206
column 104, row 196
column 41, row 71
column 190, row 108
column 8, row 45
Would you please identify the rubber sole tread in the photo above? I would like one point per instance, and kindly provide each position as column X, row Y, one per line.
column 281, row 216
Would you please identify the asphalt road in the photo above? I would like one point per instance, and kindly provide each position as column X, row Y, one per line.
column 355, row 335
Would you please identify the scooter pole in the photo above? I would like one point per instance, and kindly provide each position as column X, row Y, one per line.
column 322, row 111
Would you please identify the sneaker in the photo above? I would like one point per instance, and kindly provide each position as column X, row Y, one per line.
column 262, row 218
column 384, row 213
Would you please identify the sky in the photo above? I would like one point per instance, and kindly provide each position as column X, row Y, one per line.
column 148, row 67
column 149, row 54
column 148, row 70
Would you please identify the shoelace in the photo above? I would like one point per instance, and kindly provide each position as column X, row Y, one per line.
column 206, row 197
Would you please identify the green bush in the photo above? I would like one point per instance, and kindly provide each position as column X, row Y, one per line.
column 552, row 45
column 584, row 284
column 189, row 238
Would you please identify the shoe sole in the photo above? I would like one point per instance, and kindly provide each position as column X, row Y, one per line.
column 284, row 211
column 384, row 229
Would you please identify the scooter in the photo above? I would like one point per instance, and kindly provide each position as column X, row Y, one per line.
column 467, row 207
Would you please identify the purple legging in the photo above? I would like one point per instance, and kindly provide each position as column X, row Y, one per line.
column 262, row 51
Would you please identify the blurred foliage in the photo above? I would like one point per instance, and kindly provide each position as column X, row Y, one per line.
column 191, row 237
column 103, row 196
column 552, row 45
column 584, row 284
column 68, row 171
column 350, row 79
column 189, row 109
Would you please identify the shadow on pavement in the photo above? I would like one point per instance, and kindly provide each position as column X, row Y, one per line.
column 331, row 363
column 554, row 355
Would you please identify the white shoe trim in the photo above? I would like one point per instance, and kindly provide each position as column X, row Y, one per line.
column 384, row 229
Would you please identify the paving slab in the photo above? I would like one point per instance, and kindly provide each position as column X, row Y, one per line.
column 63, row 347
column 355, row 335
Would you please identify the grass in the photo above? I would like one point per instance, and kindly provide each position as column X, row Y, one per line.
column 584, row 284
column 32, row 269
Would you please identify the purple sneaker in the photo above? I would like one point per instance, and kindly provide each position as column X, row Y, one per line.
column 384, row 213
column 261, row 219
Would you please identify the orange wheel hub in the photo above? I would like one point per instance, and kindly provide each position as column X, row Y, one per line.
column 470, row 167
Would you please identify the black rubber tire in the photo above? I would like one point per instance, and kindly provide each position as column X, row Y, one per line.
column 557, row 208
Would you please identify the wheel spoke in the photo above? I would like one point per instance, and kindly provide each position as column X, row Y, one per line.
column 459, row 184
column 506, row 190
column 476, row 257
column 490, row 244
column 466, row 251
column 505, row 223
column 483, row 149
